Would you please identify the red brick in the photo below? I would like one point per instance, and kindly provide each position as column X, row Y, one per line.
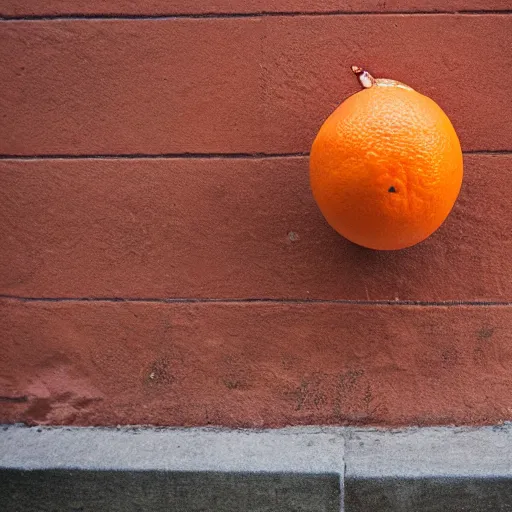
column 130, row 87
column 446, row 58
column 148, row 7
column 238, row 85
column 232, row 228
column 254, row 365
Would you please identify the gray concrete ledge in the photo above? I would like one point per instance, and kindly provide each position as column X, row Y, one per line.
column 429, row 470
column 427, row 452
column 276, row 451
column 296, row 469
column 186, row 470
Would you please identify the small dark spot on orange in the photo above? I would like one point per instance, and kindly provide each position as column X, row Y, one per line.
column 392, row 190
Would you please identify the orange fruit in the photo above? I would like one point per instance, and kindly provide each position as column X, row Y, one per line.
column 386, row 166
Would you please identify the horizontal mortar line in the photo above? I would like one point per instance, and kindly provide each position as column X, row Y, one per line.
column 258, row 14
column 197, row 156
column 262, row 300
column 14, row 399
column 169, row 156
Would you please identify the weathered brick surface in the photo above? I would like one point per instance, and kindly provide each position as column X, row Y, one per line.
column 155, row 7
column 254, row 364
column 130, row 87
column 237, row 228
column 205, row 227
column 238, row 85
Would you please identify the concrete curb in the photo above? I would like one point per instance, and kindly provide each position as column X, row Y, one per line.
column 292, row 450
column 428, row 469
column 429, row 452
column 187, row 470
column 390, row 470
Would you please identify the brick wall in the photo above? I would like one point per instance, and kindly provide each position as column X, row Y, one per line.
column 162, row 260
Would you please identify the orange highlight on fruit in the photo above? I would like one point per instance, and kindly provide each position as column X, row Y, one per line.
column 386, row 166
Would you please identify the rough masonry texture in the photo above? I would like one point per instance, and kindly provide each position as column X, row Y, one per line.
column 254, row 364
column 12, row 8
column 231, row 229
column 238, row 85
column 162, row 260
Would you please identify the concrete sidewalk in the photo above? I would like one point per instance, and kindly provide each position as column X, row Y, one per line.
column 306, row 469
